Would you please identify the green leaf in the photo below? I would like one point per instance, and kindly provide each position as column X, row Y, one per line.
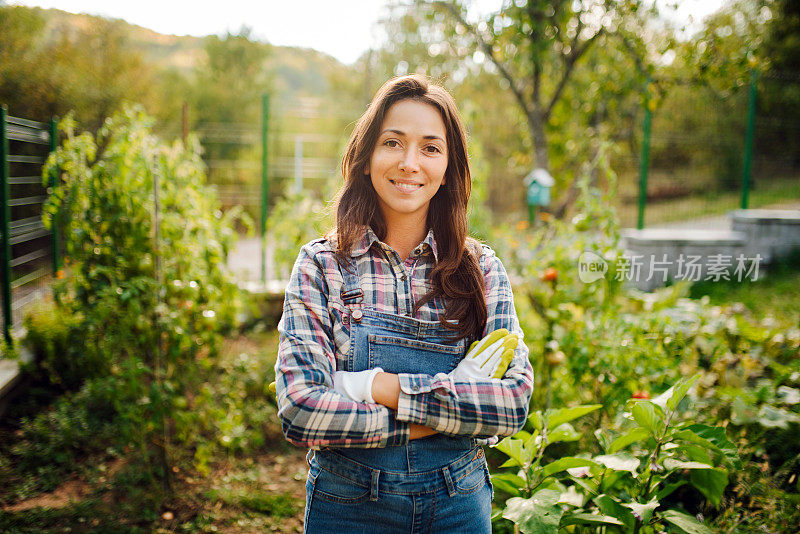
column 685, row 522
column 642, row 512
column 717, row 436
column 571, row 497
column 637, row 434
column 610, row 479
column 672, row 463
column 509, row 463
column 536, row 420
column 687, row 435
column 513, row 449
column 647, row 416
column 522, row 435
column 603, row 437
column 710, row 482
column 556, row 418
column 589, row 519
column 538, row 515
column 610, row 507
column 620, row 461
column 679, row 391
column 509, row 483
column 695, row 453
column 566, row 463
column 563, row 433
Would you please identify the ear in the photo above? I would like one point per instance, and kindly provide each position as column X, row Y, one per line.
column 366, row 169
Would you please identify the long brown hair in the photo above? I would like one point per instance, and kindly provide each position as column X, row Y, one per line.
column 457, row 275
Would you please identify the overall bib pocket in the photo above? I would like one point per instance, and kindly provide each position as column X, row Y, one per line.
column 392, row 354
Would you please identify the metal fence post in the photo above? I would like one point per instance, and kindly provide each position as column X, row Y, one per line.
column 748, row 139
column 53, row 185
column 264, row 183
column 5, row 217
column 644, row 164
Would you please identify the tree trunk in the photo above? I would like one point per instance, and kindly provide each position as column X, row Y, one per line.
column 539, row 137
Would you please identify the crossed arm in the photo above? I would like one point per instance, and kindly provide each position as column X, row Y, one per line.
column 407, row 405
column 386, row 391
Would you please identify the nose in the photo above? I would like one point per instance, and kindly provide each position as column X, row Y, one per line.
column 410, row 161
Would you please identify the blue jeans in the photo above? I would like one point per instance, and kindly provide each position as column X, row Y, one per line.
column 343, row 496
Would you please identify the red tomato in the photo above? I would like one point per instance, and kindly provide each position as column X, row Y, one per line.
column 550, row 274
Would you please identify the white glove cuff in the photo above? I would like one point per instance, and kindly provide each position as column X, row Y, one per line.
column 355, row 385
column 370, row 379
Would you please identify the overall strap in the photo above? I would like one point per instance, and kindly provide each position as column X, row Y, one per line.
column 352, row 294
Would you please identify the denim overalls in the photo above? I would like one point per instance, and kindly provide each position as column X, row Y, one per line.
column 434, row 484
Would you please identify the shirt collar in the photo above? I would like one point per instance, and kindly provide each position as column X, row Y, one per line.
column 369, row 237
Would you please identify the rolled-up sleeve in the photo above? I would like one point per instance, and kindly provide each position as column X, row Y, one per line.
column 480, row 408
column 311, row 412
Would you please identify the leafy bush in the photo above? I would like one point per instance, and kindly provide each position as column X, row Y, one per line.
column 154, row 311
column 232, row 410
column 50, row 444
column 624, row 488
column 55, row 338
column 601, row 344
column 295, row 219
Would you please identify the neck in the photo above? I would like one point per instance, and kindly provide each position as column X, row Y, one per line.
column 405, row 234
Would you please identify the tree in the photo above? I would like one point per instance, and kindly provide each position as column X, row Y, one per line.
column 782, row 44
column 542, row 54
column 536, row 45
column 229, row 83
column 47, row 71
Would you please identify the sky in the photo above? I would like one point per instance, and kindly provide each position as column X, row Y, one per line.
column 342, row 28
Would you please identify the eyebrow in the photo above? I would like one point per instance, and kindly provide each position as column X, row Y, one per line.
column 401, row 132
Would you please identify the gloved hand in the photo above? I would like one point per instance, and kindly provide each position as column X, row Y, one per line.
column 488, row 357
column 357, row 385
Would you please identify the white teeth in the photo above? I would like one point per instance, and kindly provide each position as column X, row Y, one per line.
column 407, row 187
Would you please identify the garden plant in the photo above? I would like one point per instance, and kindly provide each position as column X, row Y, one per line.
column 652, row 412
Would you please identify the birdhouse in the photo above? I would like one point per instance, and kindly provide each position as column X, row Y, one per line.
column 538, row 184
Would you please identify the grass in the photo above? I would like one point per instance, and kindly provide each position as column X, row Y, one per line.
column 774, row 295
column 775, row 193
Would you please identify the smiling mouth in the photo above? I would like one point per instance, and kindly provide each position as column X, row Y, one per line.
column 406, row 187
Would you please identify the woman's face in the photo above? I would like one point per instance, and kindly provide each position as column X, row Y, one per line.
column 409, row 160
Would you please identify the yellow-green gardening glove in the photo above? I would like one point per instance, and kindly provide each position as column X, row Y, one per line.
column 488, row 357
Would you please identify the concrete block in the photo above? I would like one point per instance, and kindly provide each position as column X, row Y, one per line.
column 772, row 233
column 660, row 255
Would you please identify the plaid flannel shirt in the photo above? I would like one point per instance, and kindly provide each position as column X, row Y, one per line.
column 314, row 341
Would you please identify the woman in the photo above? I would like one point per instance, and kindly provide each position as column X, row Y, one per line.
column 371, row 371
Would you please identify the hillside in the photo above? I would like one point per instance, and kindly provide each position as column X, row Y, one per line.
column 295, row 71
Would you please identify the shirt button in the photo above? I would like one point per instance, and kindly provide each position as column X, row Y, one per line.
column 357, row 315
column 403, row 277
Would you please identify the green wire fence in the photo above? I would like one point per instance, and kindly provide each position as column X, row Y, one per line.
column 705, row 150
column 29, row 253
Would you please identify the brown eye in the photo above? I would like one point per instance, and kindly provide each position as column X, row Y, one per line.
column 386, row 143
